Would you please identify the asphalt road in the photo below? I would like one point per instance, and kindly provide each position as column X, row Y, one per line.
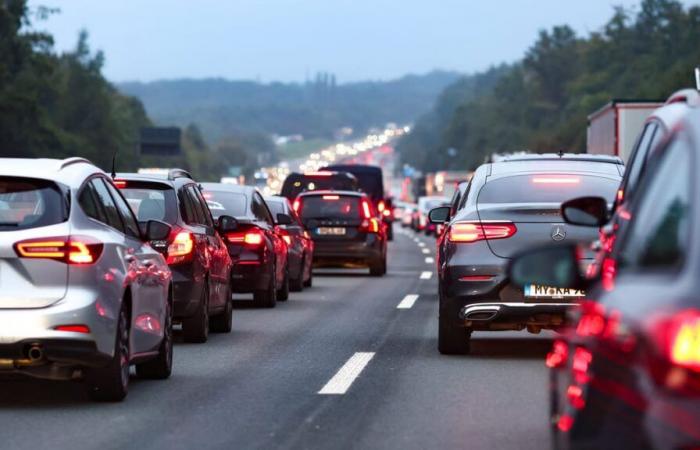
column 259, row 386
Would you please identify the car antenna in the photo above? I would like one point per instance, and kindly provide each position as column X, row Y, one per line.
column 114, row 165
column 560, row 153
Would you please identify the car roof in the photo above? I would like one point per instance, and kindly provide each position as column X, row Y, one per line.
column 70, row 171
column 225, row 187
column 172, row 177
column 608, row 166
column 366, row 168
column 331, row 192
column 562, row 157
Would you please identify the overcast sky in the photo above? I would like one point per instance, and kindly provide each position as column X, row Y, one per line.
column 284, row 40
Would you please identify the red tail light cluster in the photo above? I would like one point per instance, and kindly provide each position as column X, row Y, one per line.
column 467, row 232
column 251, row 238
column 297, row 205
column 75, row 250
column 678, row 337
column 181, row 248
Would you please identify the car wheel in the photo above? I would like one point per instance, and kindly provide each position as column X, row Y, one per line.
column 297, row 284
column 309, row 281
column 196, row 328
column 111, row 383
column 267, row 298
column 390, row 232
column 283, row 292
column 223, row 323
column 452, row 340
column 160, row 367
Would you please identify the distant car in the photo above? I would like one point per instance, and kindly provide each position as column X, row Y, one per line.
column 628, row 369
column 371, row 182
column 296, row 183
column 83, row 293
column 195, row 252
column 511, row 205
column 256, row 246
column 345, row 230
column 425, row 204
column 299, row 244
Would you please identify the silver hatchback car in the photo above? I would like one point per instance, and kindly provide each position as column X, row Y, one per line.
column 82, row 293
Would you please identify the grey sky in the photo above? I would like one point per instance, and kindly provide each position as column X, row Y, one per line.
column 283, row 40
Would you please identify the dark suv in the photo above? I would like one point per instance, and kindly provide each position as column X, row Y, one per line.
column 194, row 250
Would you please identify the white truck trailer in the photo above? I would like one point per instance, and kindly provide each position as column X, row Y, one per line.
column 614, row 128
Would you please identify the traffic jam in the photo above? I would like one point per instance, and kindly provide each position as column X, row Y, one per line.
column 99, row 272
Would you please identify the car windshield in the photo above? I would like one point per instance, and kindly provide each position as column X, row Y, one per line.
column 29, row 203
column 151, row 201
column 228, row 203
column 330, row 206
column 296, row 184
column 547, row 188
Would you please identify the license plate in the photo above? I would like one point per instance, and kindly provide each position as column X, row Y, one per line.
column 330, row 231
column 535, row 290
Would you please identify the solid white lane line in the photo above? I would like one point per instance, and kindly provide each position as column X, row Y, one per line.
column 425, row 251
column 407, row 302
column 426, row 275
column 429, row 260
column 346, row 375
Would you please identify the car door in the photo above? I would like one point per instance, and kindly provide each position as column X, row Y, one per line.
column 151, row 282
column 219, row 270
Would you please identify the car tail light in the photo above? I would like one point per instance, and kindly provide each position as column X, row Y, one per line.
column 251, row 238
column 608, row 271
column 678, row 336
column 73, row 328
column 366, row 210
column 75, row 250
column 556, row 179
column 297, row 206
column 579, row 366
column 381, row 206
column 556, row 359
column 181, row 248
column 468, row 232
column 331, row 197
column 285, row 235
column 370, row 225
column 120, row 184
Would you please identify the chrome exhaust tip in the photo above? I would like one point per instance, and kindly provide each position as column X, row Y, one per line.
column 35, row 353
column 480, row 313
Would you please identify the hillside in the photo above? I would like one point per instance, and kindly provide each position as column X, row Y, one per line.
column 314, row 109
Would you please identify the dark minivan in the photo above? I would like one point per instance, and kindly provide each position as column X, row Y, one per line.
column 296, row 183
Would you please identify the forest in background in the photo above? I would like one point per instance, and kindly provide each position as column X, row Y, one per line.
column 541, row 102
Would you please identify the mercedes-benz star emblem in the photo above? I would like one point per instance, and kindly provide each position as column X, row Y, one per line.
column 558, row 233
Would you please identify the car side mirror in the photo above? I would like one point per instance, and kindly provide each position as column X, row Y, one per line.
column 226, row 224
column 555, row 266
column 284, row 219
column 157, row 230
column 439, row 215
column 586, row 211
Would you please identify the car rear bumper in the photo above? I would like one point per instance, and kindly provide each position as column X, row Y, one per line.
column 340, row 252
column 249, row 277
column 187, row 290
column 514, row 315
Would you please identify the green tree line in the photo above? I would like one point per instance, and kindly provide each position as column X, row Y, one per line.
column 541, row 102
column 58, row 106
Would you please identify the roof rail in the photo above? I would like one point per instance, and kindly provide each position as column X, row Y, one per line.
column 76, row 160
column 178, row 173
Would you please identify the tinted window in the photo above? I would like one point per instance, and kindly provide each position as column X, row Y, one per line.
column 202, row 204
column 187, row 207
column 27, row 203
column 296, row 183
column 110, row 209
column 330, row 207
column 151, row 201
column 276, row 207
column 132, row 228
column 260, row 211
column 660, row 230
column 88, row 202
column 547, row 188
column 199, row 216
column 230, row 203
column 638, row 161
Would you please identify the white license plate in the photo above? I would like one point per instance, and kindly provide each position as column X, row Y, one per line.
column 331, row 231
column 535, row 290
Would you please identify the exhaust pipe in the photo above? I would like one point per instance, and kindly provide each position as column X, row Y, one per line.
column 35, row 353
column 480, row 313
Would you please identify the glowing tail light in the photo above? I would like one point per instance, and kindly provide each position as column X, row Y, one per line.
column 285, row 235
column 74, row 250
column 181, row 248
column 73, row 328
column 331, row 197
column 558, row 180
column 680, row 335
column 381, row 206
column 370, row 225
column 296, row 206
column 468, row 232
column 120, row 184
column 251, row 238
column 366, row 210
column 557, row 358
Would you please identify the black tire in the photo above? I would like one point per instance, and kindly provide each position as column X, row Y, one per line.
column 390, row 232
column 267, row 298
column 310, row 281
column 452, row 339
column 195, row 328
column 297, row 284
column 283, row 292
column 378, row 268
column 160, row 367
column 223, row 323
column 111, row 383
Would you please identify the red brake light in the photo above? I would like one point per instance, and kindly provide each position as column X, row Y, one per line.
column 370, row 225
column 556, row 180
column 468, row 232
column 73, row 328
column 331, row 197
column 181, row 248
column 608, row 271
column 679, row 338
column 366, row 211
column 252, row 238
column 120, row 184
column 74, row 250
column 557, row 358
column 381, row 206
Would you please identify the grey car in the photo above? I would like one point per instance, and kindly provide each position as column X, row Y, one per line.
column 83, row 295
column 507, row 207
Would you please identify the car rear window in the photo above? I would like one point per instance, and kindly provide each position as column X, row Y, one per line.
column 276, row 207
column 547, row 188
column 151, row 201
column 369, row 178
column 330, row 207
column 295, row 184
column 229, row 203
column 30, row 203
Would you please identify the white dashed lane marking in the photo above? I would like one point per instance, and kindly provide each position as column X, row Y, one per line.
column 425, row 251
column 429, row 260
column 407, row 302
column 426, row 275
column 346, row 375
